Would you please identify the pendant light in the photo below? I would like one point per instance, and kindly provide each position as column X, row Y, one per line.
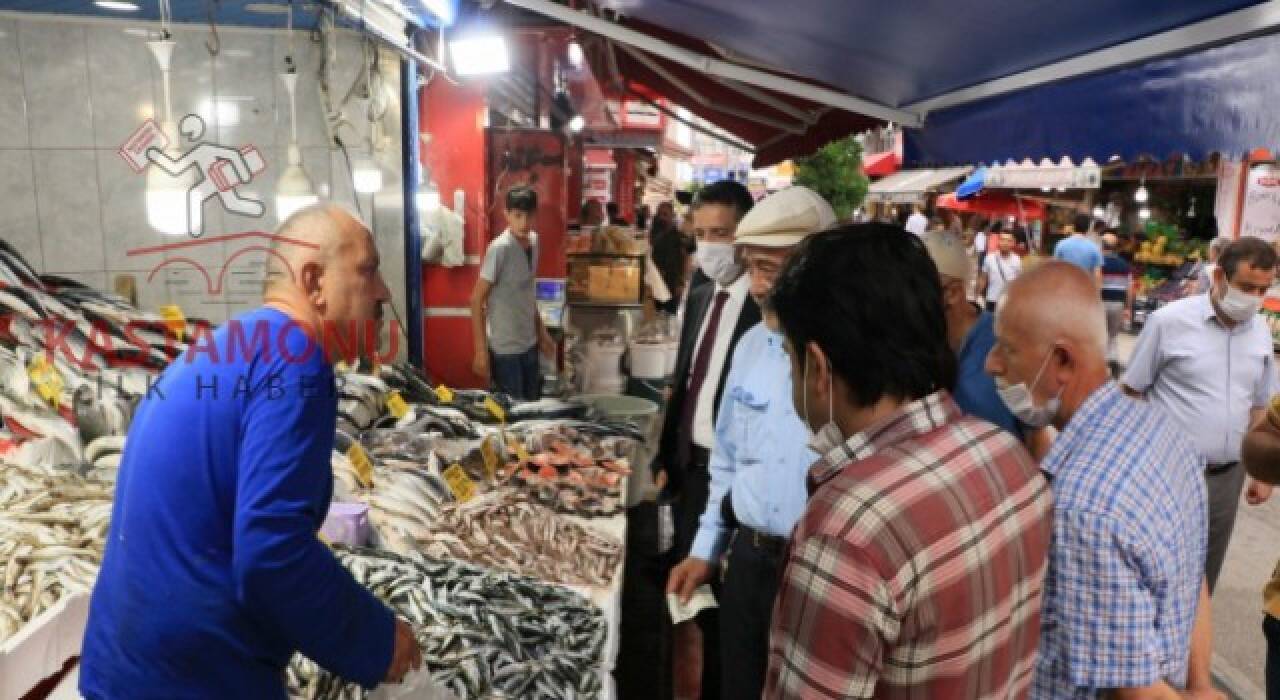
column 1144, row 213
column 166, row 195
column 1140, row 195
column 366, row 176
column 294, row 190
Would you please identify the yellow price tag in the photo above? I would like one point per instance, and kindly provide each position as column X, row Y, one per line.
column 396, row 404
column 47, row 379
column 459, row 483
column 489, row 450
column 364, row 467
column 444, row 393
column 517, row 446
column 495, row 410
column 177, row 320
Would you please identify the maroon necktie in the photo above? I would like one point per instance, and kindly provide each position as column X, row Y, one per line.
column 699, row 374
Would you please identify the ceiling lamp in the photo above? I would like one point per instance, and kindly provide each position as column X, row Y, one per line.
column 166, row 195
column 577, row 123
column 576, row 56
column 480, row 54
column 117, row 5
column 294, row 190
column 1140, row 195
column 1144, row 213
column 1099, row 212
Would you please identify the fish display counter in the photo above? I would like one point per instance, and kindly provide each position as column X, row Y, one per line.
column 496, row 528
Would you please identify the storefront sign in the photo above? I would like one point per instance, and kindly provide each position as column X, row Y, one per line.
column 1260, row 215
column 598, row 184
column 1226, row 207
column 637, row 114
column 1020, row 177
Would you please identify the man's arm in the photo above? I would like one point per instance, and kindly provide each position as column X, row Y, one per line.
column 284, row 578
column 479, row 302
column 980, row 289
column 820, row 646
column 1144, row 363
column 1261, row 452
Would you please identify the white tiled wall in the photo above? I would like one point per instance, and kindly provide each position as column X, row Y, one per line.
column 71, row 93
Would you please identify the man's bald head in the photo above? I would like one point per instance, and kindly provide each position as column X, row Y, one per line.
column 314, row 234
column 1057, row 302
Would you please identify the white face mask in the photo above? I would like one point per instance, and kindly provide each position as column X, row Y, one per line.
column 718, row 261
column 1017, row 397
column 826, row 440
column 1238, row 306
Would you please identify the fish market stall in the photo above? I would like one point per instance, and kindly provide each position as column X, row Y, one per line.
column 495, row 528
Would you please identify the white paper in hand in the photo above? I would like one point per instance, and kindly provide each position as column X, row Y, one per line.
column 701, row 599
column 417, row 685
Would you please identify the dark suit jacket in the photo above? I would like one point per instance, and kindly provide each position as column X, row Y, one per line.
column 696, row 309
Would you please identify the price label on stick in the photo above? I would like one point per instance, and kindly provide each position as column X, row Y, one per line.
column 489, row 450
column 463, row 488
column 364, row 467
column 46, row 378
column 444, row 393
column 495, row 409
column 172, row 314
column 397, row 406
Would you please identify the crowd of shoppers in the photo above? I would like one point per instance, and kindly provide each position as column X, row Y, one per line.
column 900, row 488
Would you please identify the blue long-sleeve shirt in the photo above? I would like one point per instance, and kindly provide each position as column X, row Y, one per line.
column 213, row 575
column 760, row 455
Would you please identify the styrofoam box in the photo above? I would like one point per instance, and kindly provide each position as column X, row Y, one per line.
column 43, row 646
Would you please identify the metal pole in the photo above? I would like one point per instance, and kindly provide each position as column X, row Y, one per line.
column 412, row 239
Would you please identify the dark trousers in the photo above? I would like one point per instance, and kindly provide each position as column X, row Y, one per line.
column 991, row 306
column 746, row 611
column 644, row 657
column 1224, row 486
column 692, row 500
column 1271, row 630
column 517, row 376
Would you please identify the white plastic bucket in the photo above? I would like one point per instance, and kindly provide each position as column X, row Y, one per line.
column 649, row 360
column 673, row 352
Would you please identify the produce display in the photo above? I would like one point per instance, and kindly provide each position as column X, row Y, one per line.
column 484, row 634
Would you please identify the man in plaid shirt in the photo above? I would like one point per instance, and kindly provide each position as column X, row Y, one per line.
column 916, row 569
column 1125, row 609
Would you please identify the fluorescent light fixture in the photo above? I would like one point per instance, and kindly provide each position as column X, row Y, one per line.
column 577, row 123
column 575, row 54
column 117, row 5
column 480, row 55
column 367, row 176
column 267, row 8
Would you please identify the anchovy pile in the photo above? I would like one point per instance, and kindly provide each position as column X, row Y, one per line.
column 53, row 526
column 484, row 634
column 502, row 530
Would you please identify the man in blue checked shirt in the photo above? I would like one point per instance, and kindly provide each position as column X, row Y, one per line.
column 1125, row 607
column 760, row 458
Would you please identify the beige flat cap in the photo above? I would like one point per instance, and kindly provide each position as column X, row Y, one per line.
column 949, row 254
column 785, row 218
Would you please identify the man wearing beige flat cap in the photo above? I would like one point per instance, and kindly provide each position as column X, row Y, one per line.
column 760, row 457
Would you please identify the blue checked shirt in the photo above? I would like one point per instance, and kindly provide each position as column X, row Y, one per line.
column 1128, row 549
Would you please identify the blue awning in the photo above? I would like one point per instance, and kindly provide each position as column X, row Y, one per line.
column 993, row 80
column 243, row 13
column 1220, row 100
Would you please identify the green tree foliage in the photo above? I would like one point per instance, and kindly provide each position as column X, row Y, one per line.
column 835, row 172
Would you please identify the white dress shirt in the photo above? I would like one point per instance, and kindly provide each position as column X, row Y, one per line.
column 704, row 427
column 917, row 223
column 1206, row 377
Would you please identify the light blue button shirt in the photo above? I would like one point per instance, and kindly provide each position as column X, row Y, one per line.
column 1207, row 378
column 760, row 454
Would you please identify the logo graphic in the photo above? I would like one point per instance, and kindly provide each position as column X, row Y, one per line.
column 221, row 170
column 177, row 255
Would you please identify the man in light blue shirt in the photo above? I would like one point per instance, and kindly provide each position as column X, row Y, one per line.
column 1207, row 361
column 760, row 460
column 1078, row 250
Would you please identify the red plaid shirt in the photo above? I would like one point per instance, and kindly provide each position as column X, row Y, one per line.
column 916, row 569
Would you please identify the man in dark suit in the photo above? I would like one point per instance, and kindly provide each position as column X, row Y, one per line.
column 717, row 314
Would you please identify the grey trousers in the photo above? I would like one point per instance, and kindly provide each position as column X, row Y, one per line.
column 1224, row 499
